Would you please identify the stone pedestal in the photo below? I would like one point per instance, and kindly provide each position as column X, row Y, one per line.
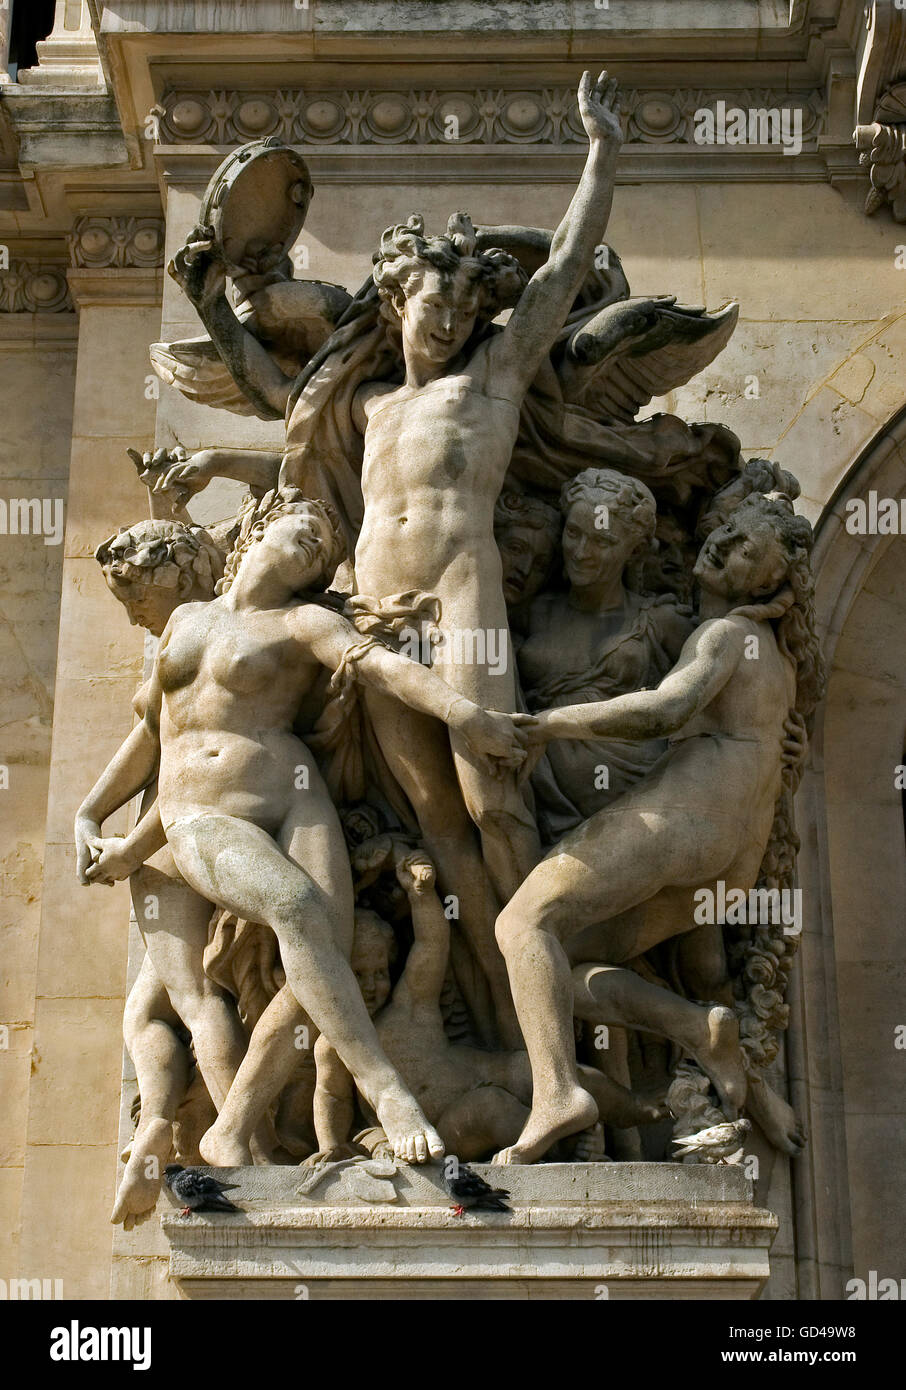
column 68, row 57
column 577, row 1231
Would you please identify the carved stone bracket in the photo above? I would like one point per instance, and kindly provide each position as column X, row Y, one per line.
column 34, row 287
column 880, row 133
column 117, row 243
column 453, row 119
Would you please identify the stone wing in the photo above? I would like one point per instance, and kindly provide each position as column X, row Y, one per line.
column 627, row 353
column 195, row 367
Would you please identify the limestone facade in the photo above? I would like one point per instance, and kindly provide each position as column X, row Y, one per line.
column 106, row 148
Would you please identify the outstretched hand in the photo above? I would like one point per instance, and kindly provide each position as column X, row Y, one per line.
column 173, row 471
column 599, row 108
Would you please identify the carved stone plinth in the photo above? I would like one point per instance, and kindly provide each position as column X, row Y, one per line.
column 577, row 1231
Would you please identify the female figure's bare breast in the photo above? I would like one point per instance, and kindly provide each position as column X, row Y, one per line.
column 231, row 686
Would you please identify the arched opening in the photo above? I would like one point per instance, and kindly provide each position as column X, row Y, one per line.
column 852, row 970
column 32, row 21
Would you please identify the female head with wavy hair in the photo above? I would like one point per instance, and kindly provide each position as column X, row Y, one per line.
column 607, row 518
column 761, row 553
column 312, row 551
column 436, row 289
column 155, row 565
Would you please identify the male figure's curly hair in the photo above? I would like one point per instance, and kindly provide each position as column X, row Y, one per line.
column 619, row 493
column 257, row 516
column 406, row 251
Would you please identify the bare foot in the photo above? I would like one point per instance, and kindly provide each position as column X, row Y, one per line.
column 567, row 1114
column 223, row 1150
column 776, row 1118
column 140, row 1184
column 618, row 1106
column 715, row 1046
column 413, row 1140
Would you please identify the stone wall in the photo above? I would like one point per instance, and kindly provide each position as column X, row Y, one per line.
column 813, row 378
column 37, row 372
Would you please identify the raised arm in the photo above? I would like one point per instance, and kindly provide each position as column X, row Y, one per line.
column 331, row 639
column 517, row 353
column 426, row 964
column 706, row 663
column 180, row 476
column 197, row 269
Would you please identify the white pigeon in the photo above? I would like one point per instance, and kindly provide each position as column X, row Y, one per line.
column 719, row 1144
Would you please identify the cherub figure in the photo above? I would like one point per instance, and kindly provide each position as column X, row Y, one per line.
column 473, row 1097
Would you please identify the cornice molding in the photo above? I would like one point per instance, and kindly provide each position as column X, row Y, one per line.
column 457, row 119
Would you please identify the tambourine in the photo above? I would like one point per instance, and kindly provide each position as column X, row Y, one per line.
column 258, row 198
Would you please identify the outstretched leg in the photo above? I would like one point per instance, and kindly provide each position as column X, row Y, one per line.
column 612, row 862
column 238, row 865
column 776, row 1117
column 269, row 1064
column 608, row 994
column 418, row 752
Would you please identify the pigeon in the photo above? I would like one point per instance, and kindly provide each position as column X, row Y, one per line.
column 196, row 1191
column 718, row 1144
column 471, row 1192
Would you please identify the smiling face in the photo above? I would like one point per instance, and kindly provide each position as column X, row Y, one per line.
column 371, row 965
column 438, row 312
column 526, row 555
column 742, row 563
column 593, row 553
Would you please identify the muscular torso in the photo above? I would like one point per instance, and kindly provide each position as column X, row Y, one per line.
column 435, row 460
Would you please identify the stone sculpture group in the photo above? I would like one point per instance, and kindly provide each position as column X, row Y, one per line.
column 448, row 727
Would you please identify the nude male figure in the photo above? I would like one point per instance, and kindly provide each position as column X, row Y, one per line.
column 436, row 451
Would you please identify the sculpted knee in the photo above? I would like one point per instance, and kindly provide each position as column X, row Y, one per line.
column 509, row 930
column 288, row 910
